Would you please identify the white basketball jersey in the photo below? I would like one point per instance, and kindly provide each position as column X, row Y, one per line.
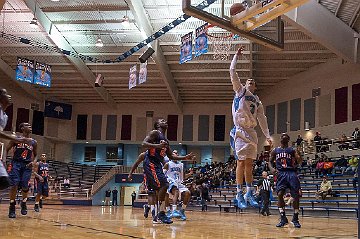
column 244, row 109
column 175, row 172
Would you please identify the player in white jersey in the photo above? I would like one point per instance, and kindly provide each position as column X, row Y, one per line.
column 247, row 109
column 174, row 171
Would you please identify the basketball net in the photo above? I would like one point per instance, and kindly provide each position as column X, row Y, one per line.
column 220, row 41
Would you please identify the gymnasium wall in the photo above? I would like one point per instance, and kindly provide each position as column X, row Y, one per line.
column 332, row 113
column 58, row 133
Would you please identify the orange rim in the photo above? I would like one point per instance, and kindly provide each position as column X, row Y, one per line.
column 223, row 35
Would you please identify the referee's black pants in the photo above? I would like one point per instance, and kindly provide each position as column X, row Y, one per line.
column 265, row 198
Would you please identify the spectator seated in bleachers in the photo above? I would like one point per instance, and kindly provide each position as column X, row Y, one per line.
column 310, row 163
column 325, row 189
column 328, row 167
column 343, row 142
column 353, row 164
column 340, row 165
column 319, row 170
column 66, row 183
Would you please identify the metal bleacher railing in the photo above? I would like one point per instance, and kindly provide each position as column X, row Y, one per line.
column 109, row 175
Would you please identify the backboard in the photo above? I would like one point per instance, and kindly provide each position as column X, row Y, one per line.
column 217, row 12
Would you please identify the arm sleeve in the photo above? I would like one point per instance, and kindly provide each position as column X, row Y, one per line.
column 263, row 121
column 235, row 80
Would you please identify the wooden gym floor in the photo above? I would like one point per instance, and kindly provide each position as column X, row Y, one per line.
column 60, row 222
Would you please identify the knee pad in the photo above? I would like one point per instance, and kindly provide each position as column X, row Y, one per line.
column 4, row 183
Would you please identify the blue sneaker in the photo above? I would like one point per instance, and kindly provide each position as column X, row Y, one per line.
column 164, row 219
column 240, row 201
column 176, row 214
column 169, row 214
column 250, row 198
column 182, row 215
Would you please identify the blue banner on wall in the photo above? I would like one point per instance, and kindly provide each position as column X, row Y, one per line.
column 24, row 70
column 186, row 48
column 57, row 110
column 42, row 74
column 201, row 41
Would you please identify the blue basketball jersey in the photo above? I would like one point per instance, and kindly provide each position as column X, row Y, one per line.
column 23, row 152
column 285, row 159
column 43, row 170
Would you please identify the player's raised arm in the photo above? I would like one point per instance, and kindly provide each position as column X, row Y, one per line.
column 261, row 117
column 170, row 155
column 235, row 80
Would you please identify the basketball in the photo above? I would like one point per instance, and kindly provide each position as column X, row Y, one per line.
column 236, row 8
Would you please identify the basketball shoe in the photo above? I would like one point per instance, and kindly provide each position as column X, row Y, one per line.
column 240, row 201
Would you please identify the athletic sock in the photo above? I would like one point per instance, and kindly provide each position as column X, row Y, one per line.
column 36, row 203
column 296, row 211
column 24, row 200
column 12, row 201
column 162, row 206
column 282, row 211
column 239, row 188
column 248, row 187
column 174, row 207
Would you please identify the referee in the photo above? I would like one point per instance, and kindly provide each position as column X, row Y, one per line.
column 265, row 185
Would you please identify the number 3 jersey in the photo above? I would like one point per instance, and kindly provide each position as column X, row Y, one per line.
column 285, row 159
column 23, row 152
column 244, row 109
column 43, row 170
column 175, row 172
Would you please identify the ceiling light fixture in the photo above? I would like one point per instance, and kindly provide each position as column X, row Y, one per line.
column 126, row 22
column 34, row 23
column 99, row 42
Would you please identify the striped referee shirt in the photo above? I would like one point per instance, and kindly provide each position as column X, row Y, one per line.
column 265, row 184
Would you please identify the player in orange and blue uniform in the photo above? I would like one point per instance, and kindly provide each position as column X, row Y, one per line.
column 41, row 172
column 286, row 160
column 157, row 148
column 21, row 168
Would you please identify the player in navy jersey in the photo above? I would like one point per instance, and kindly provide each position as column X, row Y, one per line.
column 157, row 148
column 24, row 157
column 286, row 160
column 41, row 172
column 5, row 102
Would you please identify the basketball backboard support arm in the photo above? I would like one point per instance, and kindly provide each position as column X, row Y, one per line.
column 224, row 23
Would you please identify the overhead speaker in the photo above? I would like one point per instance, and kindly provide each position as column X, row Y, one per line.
column 99, row 80
column 143, row 58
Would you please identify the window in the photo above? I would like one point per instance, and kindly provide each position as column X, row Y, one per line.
column 90, row 154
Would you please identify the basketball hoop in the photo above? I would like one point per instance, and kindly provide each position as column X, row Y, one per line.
column 221, row 42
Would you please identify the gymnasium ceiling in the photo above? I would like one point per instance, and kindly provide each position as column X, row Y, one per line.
column 203, row 80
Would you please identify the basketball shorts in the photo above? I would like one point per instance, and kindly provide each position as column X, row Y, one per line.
column 4, row 177
column 20, row 174
column 244, row 142
column 154, row 179
column 181, row 187
column 289, row 180
column 42, row 188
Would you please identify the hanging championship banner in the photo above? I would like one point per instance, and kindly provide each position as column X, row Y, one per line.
column 132, row 77
column 24, row 70
column 42, row 74
column 201, row 41
column 143, row 73
column 186, row 48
